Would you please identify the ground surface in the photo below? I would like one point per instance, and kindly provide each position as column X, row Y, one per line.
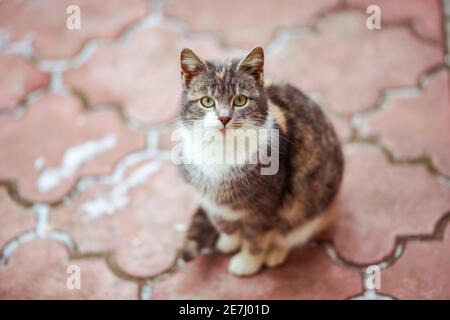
column 84, row 141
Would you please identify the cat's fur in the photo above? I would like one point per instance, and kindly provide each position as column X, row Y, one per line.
column 260, row 216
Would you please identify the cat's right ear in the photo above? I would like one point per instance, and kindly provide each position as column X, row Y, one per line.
column 191, row 65
column 253, row 63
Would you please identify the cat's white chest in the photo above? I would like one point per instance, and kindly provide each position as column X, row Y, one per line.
column 215, row 159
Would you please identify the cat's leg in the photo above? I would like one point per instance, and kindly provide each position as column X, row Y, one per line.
column 230, row 236
column 227, row 222
column 250, row 259
column 297, row 237
column 276, row 256
column 228, row 243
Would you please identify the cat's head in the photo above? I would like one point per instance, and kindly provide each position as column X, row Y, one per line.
column 223, row 94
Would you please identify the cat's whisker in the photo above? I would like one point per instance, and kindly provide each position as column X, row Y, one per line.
column 285, row 139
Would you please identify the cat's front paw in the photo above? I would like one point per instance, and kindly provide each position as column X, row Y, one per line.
column 228, row 243
column 245, row 264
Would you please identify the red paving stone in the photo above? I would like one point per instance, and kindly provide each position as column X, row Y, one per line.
column 422, row 271
column 145, row 79
column 52, row 39
column 425, row 124
column 14, row 219
column 320, row 62
column 239, row 27
column 146, row 233
column 22, row 78
column 48, row 129
column 342, row 127
column 379, row 201
column 425, row 15
column 307, row 274
column 38, row 270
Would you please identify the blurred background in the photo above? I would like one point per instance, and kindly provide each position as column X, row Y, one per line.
column 89, row 93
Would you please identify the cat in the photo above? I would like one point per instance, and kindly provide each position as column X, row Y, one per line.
column 259, row 217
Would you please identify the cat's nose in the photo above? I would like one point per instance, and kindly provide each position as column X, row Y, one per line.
column 224, row 120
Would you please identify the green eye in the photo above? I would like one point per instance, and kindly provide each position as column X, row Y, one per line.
column 240, row 101
column 207, row 102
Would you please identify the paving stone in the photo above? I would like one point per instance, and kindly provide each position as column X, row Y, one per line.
column 38, row 270
column 319, row 61
column 342, row 127
column 422, row 271
column 142, row 218
column 56, row 141
column 145, row 79
column 22, row 78
column 418, row 125
column 379, row 201
column 14, row 219
column 246, row 24
column 425, row 15
column 46, row 21
column 145, row 225
column 307, row 274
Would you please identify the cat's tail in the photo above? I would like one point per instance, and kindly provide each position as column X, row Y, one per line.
column 306, row 231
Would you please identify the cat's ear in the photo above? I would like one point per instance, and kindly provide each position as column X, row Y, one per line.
column 253, row 63
column 191, row 65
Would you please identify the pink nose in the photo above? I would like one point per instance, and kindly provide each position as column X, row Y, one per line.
column 224, row 120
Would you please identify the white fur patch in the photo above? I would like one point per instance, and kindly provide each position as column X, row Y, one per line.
column 245, row 264
column 215, row 153
column 228, row 243
column 224, row 212
column 211, row 120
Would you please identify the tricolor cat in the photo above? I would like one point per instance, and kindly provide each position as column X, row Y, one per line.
column 259, row 215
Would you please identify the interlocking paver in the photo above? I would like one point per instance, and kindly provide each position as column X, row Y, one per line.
column 425, row 15
column 308, row 274
column 422, row 272
column 379, row 201
column 19, row 77
column 145, row 79
column 56, row 141
column 46, row 21
column 146, row 232
column 319, row 62
column 14, row 219
column 247, row 23
column 412, row 127
column 38, row 270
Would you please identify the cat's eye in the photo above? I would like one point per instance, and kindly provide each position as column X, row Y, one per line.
column 240, row 100
column 207, row 102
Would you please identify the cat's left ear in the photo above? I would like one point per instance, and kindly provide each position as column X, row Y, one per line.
column 253, row 63
column 191, row 65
